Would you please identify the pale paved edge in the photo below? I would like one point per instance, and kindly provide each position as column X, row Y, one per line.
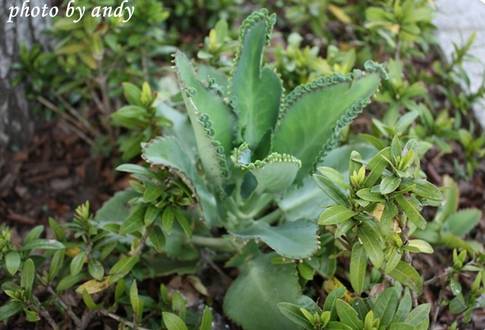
column 455, row 21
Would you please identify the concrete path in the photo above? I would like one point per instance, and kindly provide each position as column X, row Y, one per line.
column 456, row 20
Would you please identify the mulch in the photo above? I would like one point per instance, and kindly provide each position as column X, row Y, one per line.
column 51, row 176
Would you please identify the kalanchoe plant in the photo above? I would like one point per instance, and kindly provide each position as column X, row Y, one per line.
column 252, row 144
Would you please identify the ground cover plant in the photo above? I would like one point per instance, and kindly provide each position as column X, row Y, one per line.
column 315, row 177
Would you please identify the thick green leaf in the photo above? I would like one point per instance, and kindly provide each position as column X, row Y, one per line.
column 308, row 200
column 373, row 242
column 334, row 215
column 12, row 262
column 211, row 153
column 116, row 209
column 169, row 153
column 358, row 267
column 385, row 306
column 315, row 113
column 255, row 91
column 297, row 239
column 206, row 102
column 462, row 222
column 348, row 315
column 273, row 174
column 173, row 322
column 134, row 221
column 253, row 298
column 407, row 275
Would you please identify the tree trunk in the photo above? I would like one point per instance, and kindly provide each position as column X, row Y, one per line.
column 16, row 125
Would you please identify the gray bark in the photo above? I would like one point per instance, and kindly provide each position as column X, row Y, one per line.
column 16, row 125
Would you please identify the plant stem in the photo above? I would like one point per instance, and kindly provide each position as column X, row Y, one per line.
column 270, row 218
column 61, row 302
column 216, row 243
column 121, row 320
column 437, row 277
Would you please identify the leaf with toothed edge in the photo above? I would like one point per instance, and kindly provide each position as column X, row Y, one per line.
column 296, row 240
column 314, row 114
column 167, row 152
column 206, row 101
column 273, row 174
column 210, row 119
column 255, row 92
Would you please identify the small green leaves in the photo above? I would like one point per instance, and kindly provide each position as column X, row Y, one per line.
column 330, row 188
column 385, row 306
column 10, row 309
column 28, row 276
column 411, row 211
column 96, row 269
column 56, row 264
column 358, row 267
column 42, row 244
column 173, row 322
column 77, row 263
column 12, row 262
column 206, row 320
column 389, row 184
column 418, row 245
column 407, row 275
column 419, row 316
column 335, row 215
column 373, row 242
column 122, row 268
column 136, row 302
column 348, row 315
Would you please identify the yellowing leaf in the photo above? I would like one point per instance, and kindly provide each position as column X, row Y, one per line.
column 339, row 14
column 93, row 286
